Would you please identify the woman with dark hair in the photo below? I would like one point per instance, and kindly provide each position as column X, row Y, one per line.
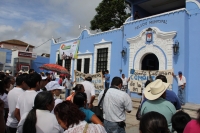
column 40, row 119
column 77, row 88
column 194, row 125
column 153, row 122
column 80, row 99
column 72, row 119
column 4, row 83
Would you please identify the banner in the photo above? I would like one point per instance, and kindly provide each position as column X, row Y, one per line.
column 139, row 78
column 97, row 79
column 69, row 50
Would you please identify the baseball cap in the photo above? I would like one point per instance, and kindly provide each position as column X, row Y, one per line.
column 88, row 76
column 53, row 85
column 179, row 72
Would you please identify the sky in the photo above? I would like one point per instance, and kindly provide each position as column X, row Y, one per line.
column 36, row 21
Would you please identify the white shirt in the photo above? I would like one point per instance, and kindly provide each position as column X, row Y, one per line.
column 89, row 90
column 5, row 99
column 46, row 122
column 125, row 81
column 181, row 81
column 67, row 83
column 115, row 105
column 92, row 128
column 12, row 101
column 57, row 101
column 26, row 101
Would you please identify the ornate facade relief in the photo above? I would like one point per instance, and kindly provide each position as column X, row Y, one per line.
column 161, row 45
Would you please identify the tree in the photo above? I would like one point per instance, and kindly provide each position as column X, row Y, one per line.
column 110, row 14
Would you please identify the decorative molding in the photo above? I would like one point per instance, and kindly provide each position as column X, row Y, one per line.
column 158, row 15
column 102, row 44
column 161, row 47
column 194, row 1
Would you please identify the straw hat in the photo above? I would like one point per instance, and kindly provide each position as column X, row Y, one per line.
column 155, row 89
column 7, row 71
column 20, row 71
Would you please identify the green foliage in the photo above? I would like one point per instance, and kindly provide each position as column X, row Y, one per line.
column 110, row 14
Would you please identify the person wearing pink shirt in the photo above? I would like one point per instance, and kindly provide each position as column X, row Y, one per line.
column 194, row 125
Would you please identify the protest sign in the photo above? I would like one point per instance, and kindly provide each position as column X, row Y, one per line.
column 139, row 78
column 97, row 79
column 69, row 50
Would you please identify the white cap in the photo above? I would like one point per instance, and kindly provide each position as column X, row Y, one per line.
column 44, row 77
column 53, row 85
column 7, row 71
column 20, row 71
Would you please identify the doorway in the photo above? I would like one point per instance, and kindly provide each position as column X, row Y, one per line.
column 150, row 62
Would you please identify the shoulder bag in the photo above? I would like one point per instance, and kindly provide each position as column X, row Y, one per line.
column 98, row 110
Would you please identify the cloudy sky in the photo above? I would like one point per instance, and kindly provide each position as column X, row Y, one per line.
column 36, row 21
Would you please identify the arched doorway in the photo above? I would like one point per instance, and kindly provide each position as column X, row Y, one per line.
column 150, row 62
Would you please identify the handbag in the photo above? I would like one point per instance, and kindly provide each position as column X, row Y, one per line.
column 98, row 110
column 138, row 114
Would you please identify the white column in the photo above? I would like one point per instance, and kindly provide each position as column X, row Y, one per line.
column 63, row 63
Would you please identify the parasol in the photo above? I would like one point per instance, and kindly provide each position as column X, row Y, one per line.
column 55, row 68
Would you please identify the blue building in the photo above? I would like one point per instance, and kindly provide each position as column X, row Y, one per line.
column 169, row 23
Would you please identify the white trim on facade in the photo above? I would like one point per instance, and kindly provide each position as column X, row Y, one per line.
column 194, row 1
column 158, row 15
column 102, row 44
column 161, row 47
column 82, row 57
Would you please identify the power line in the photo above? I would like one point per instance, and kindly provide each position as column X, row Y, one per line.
column 42, row 43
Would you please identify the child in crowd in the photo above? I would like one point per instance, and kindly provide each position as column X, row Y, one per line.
column 153, row 122
column 179, row 121
column 77, row 88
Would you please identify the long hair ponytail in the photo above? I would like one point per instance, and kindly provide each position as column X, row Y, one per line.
column 41, row 101
column 30, row 122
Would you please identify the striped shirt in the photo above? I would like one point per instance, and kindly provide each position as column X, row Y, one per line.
column 115, row 105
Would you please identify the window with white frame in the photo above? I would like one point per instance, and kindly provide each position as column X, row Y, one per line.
column 78, row 66
column 59, row 61
column 104, row 47
column 68, row 64
column 86, row 65
column 102, row 59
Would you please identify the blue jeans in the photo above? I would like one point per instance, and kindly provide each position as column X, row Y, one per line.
column 181, row 95
column 67, row 93
column 107, row 85
column 113, row 127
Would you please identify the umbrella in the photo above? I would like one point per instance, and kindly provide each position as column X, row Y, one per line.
column 55, row 68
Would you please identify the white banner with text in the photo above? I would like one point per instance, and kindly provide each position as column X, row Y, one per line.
column 97, row 79
column 139, row 78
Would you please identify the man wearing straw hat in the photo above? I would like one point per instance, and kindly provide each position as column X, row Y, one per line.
column 155, row 92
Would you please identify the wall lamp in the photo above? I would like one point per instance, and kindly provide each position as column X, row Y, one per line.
column 176, row 47
column 123, row 52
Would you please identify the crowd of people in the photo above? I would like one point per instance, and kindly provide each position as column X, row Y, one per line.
column 31, row 103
